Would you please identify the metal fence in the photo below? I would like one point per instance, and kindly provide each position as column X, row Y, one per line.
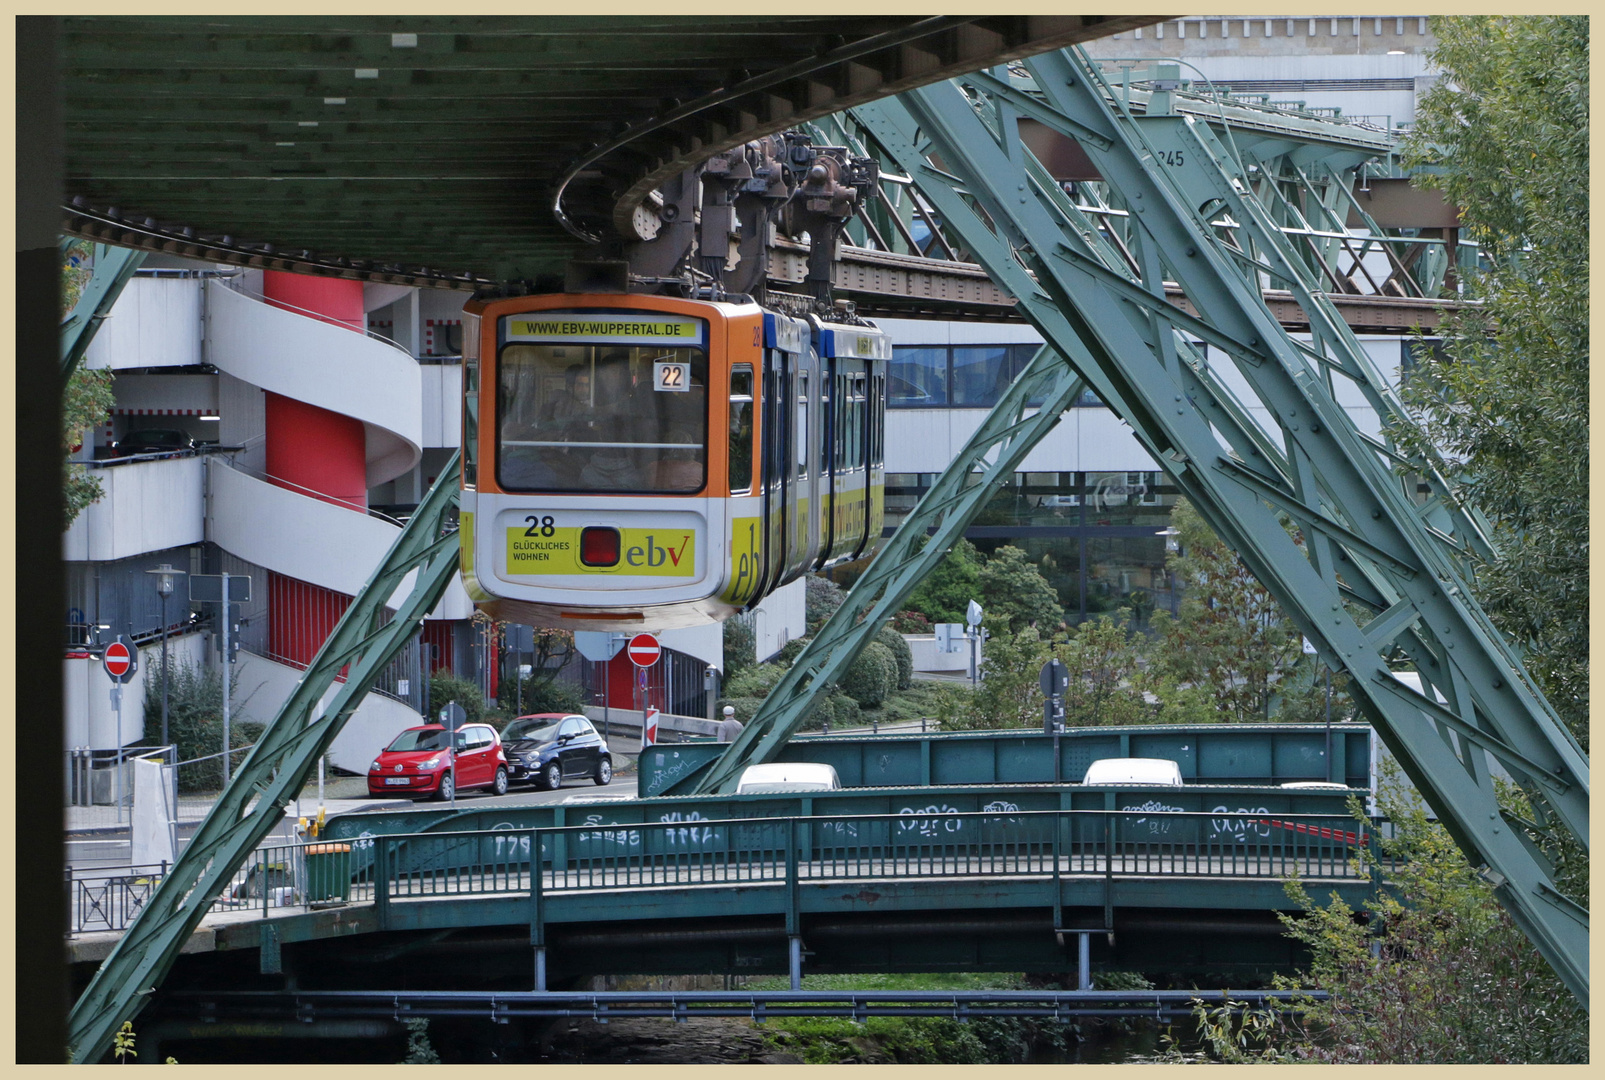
column 680, row 854
column 276, row 876
column 781, row 852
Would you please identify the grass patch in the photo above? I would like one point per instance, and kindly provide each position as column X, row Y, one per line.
column 918, row 1040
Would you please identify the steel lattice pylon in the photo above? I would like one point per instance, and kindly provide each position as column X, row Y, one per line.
column 1369, row 546
column 276, row 769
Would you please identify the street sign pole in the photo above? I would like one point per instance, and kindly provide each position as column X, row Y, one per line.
column 117, row 709
column 643, row 651
column 121, row 660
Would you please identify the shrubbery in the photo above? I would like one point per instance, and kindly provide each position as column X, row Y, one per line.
column 195, row 722
column 445, row 687
column 543, row 694
column 872, row 676
column 902, row 655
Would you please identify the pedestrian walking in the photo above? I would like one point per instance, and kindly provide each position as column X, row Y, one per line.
column 729, row 727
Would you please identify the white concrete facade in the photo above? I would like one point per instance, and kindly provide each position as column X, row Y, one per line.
column 147, row 506
column 920, row 440
column 186, row 348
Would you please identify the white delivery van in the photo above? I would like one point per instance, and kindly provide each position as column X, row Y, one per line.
column 1134, row 770
column 787, row 776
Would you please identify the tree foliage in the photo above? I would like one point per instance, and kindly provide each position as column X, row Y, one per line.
column 1105, row 686
column 85, row 401
column 872, row 676
column 444, row 687
column 1230, row 634
column 944, row 593
column 1014, row 590
column 902, row 655
column 823, row 597
column 195, row 721
column 1504, row 135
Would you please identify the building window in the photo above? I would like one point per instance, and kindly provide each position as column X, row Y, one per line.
column 918, row 377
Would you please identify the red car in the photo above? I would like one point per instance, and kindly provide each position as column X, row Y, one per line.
column 418, row 764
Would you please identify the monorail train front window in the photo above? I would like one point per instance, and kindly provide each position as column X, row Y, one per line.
column 620, row 412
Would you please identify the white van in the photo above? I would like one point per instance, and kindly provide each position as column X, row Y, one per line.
column 1134, row 770
column 787, row 776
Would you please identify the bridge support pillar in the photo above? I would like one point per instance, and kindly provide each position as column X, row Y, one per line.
column 795, row 944
column 540, row 969
column 1083, row 961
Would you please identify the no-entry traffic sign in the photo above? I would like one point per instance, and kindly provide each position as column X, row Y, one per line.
column 644, row 650
column 119, row 660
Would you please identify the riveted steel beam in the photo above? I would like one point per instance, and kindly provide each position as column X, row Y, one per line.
column 1194, row 219
column 277, row 768
column 1010, row 430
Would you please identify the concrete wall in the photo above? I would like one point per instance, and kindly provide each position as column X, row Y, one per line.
column 264, row 685
column 442, row 404
column 324, row 365
column 928, row 655
column 156, row 322
column 308, row 539
column 86, row 694
column 782, row 616
column 147, row 506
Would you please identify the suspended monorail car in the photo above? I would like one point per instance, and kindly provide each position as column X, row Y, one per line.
column 637, row 462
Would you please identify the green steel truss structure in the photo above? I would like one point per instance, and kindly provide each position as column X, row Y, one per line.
column 991, row 455
column 114, row 266
column 364, row 641
column 1376, row 575
column 1193, row 197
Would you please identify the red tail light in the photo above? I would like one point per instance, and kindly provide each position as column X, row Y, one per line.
column 599, row 546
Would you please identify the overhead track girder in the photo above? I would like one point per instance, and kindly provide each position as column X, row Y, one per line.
column 253, row 803
column 1376, row 574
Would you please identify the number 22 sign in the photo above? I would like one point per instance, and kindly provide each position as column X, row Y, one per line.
column 667, row 375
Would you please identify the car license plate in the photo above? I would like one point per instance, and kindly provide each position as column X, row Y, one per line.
column 396, row 780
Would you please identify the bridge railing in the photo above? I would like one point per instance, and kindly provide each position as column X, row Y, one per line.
column 935, row 843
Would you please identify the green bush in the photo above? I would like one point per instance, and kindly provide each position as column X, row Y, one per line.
column 901, row 653
column 195, row 722
column 823, row 597
column 740, row 647
column 543, row 694
column 444, row 687
column 755, row 681
column 911, row 622
column 745, row 706
column 845, row 712
column 788, row 652
column 872, row 676
column 821, row 715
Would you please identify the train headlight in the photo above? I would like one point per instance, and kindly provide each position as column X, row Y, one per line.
column 599, row 546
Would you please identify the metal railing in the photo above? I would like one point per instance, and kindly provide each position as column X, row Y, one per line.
column 276, row 876
column 782, row 852
column 934, row 843
column 235, row 283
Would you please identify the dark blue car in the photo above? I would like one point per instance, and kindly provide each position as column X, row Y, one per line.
column 548, row 748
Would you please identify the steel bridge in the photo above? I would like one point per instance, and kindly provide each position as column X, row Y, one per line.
column 1194, row 219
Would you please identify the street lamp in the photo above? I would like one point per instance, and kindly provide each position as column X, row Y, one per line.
column 1172, row 546
column 164, row 588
